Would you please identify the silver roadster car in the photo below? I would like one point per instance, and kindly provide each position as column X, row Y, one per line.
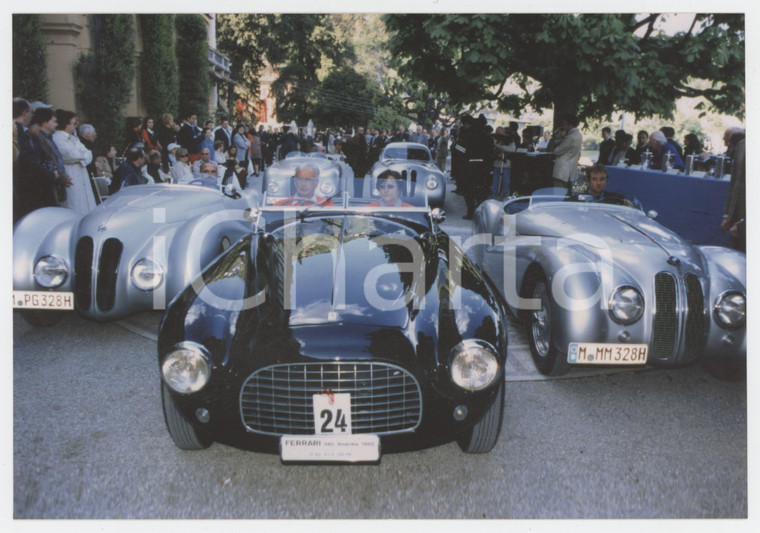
column 425, row 183
column 606, row 284
column 133, row 252
column 334, row 176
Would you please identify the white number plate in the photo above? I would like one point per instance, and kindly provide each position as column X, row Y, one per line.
column 43, row 300
column 332, row 413
column 592, row 353
column 357, row 448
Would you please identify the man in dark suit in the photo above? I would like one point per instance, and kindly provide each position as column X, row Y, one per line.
column 735, row 210
column 190, row 136
column 606, row 146
column 129, row 172
column 224, row 133
column 401, row 135
column 670, row 134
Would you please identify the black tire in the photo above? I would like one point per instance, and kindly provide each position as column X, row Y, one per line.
column 547, row 358
column 40, row 318
column 184, row 435
column 482, row 437
column 725, row 368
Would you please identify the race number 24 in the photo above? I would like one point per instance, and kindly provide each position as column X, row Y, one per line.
column 332, row 414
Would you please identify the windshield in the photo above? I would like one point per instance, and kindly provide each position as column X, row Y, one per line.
column 364, row 266
column 410, row 153
column 609, row 198
column 352, row 227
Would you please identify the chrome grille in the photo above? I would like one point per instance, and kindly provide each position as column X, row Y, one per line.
column 83, row 273
column 665, row 317
column 108, row 270
column 696, row 329
column 278, row 399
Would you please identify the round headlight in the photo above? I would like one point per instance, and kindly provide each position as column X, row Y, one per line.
column 186, row 368
column 51, row 271
column 731, row 309
column 327, row 188
column 474, row 365
column 431, row 183
column 147, row 274
column 626, row 305
column 273, row 187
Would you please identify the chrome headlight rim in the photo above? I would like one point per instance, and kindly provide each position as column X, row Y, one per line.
column 186, row 368
column 623, row 308
column 273, row 188
column 432, row 182
column 55, row 280
column 327, row 188
column 141, row 266
column 478, row 355
column 720, row 313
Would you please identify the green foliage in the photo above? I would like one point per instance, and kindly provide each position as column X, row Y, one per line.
column 419, row 104
column 344, row 99
column 242, row 38
column 590, row 64
column 105, row 76
column 29, row 58
column 159, row 79
column 296, row 48
column 192, row 61
column 388, row 118
column 367, row 37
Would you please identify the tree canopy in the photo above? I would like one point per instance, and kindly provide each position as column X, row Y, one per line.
column 294, row 45
column 589, row 64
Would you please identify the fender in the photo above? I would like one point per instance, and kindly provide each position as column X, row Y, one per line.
column 727, row 270
column 198, row 242
column 49, row 230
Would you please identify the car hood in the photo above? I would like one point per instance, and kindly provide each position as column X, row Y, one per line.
column 352, row 277
column 130, row 209
column 601, row 226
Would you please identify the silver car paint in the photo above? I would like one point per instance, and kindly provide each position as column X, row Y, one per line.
column 405, row 167
column 553, row 235
column 180, row 226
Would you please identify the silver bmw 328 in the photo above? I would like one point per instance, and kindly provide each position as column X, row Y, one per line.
column 133, row 252
column 606, row 284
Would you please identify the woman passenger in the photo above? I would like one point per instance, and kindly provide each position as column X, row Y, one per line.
column 389, row 185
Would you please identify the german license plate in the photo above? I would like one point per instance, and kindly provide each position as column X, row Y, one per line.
column 592, row 353
column 43, row 300
column 358, row 448
column 332, row 413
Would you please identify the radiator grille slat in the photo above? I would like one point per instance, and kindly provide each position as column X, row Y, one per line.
column 108, row 270
column 83, row 273
column 277, row 400
column 666, row 316
column 696, row 327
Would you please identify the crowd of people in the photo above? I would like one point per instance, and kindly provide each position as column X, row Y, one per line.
column 55, row 159
column 659, row 150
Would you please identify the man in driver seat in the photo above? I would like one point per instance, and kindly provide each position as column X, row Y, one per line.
column 597, row 182
column 305, row 179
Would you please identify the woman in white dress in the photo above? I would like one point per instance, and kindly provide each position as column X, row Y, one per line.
column 76, row 157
